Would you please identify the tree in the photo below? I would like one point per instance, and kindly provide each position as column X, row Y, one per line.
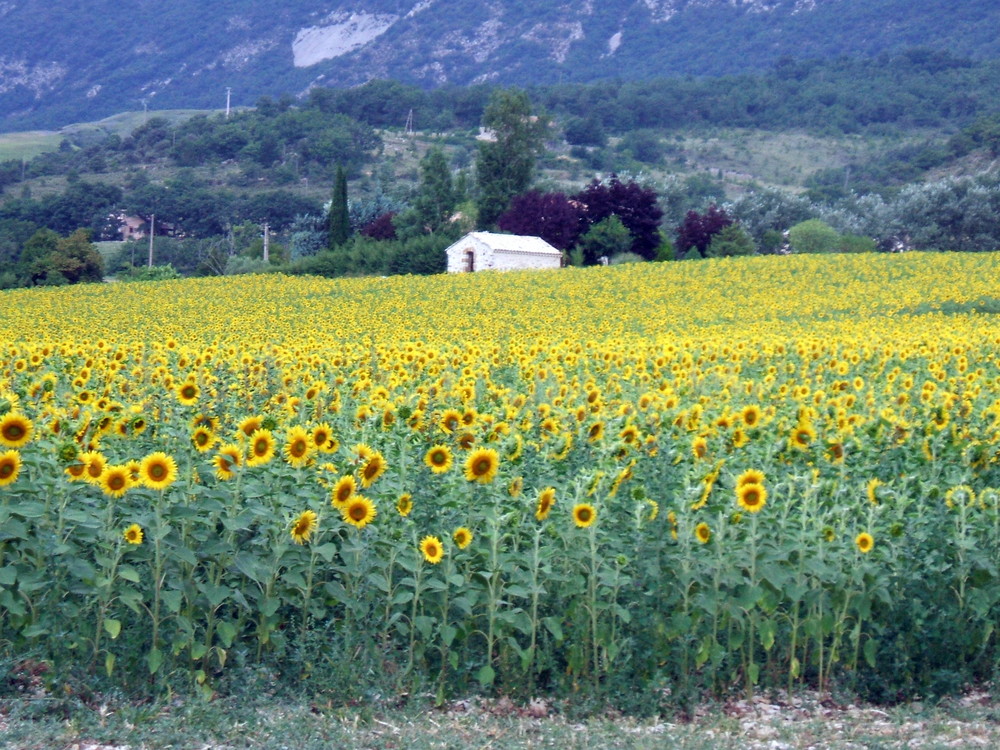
column 435, row 201
column 635, row 206
column 608, row 237
column 697, row 230
column 551, row 216
column 731, row 241
column 505, row 165
column 813, row 236
column 338, row 220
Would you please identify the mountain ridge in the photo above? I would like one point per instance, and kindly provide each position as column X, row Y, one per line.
column 186, row 54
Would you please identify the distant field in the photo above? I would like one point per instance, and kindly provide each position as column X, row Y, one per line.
column 29, row 144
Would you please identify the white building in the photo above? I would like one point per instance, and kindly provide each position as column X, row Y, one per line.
column 489, row 251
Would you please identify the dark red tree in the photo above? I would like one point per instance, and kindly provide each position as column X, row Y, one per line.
column 697, row 230
column 381, row 228
column 633, row 204
column 551, row 216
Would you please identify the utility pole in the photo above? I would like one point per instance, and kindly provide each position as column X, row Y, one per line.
column 152, row 231
column 229, row 91
column 267, row 242
column 409, row 123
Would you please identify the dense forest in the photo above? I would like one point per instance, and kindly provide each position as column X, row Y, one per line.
column 209, row 184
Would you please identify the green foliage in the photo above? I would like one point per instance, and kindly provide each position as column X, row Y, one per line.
column 813, row 236
column 435, row 201
column 608, row 238
column 165, row 272
column 338, row 219
column 506, row 164
column 732, row 241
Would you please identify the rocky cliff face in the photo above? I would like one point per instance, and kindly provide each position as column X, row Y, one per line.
column 94, row 57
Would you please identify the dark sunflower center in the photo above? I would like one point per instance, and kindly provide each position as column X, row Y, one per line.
column 157, row 471
column 584, row 514
column 13, row 432
column 299, row 448
column 482, row 466
column 438, row 458
column 6, row 470
column 358, row 512
column 260, row 447
column 116, row 482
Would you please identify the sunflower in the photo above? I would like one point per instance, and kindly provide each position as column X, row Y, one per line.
column 203, row 439
column 515, row 486
column 343, row 491
column 751, row 497
column 322, row 438
column 546, row 499
column 304, row 526
column 596, row 432
column 702, row 532
column 261, row 447
column 77, row 470
column 115, row 480
column 372, row 469
column 404, row 504
column 15, row 430
column 584, row 515
column 10, row 467
column 462, row 537
column 750, row 415
column 450, row 420
column 133, row 534
column 750, row 476
column 803, row 434
column 431, row 549
column 250, row 425
column 865, row 542
column 298, row 446
column 699, row 447
column 654, row 510
column 157, row 471
column 438, row 458
column 481, row 465
column 961, row 494
column 358, row 511
column 188, row 393
column 226, row 460
column 872, row 490
column 94, row 463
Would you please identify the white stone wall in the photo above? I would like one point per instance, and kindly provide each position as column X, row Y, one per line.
column 502, row 261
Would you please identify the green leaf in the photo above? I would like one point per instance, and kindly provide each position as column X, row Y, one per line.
column 198, row 650
column 227, row 632
column 172, row 598
column 326, row 551
column 486, row 675
column 8, row 576
column 754, row 673
column 554, row 627
column 109, row 663
column 128, row 573
column 114, row 627
column 869, row 652
column 767, row 631
column 155, row 660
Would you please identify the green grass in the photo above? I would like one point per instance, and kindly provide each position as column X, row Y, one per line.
column 28, row 145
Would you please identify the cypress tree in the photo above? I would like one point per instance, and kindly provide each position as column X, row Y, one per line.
column 339, row 222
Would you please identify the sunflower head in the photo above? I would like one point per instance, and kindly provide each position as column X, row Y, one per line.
column 584, row 515
column 462, row 537
column 15, row 430
column 751, row 497
column 481, row 465
column 438, row 458
column 227, row 460
column 372, row 469
column 404, row 505
column 115, row 481
column 864, row 542
column 10, row 467
column 546, row 499
column 358, row 511
column 133, row 534
column 261, row 447
column 431, row 549
column 343, row 491
column 304, row 526
column 702, row 532
column 157, row 471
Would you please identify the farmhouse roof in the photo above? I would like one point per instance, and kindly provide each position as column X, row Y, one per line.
column 515, row 243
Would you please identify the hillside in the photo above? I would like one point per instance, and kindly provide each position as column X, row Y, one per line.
column 187, row 54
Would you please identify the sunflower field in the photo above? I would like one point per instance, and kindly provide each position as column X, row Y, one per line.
column 651, row 478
